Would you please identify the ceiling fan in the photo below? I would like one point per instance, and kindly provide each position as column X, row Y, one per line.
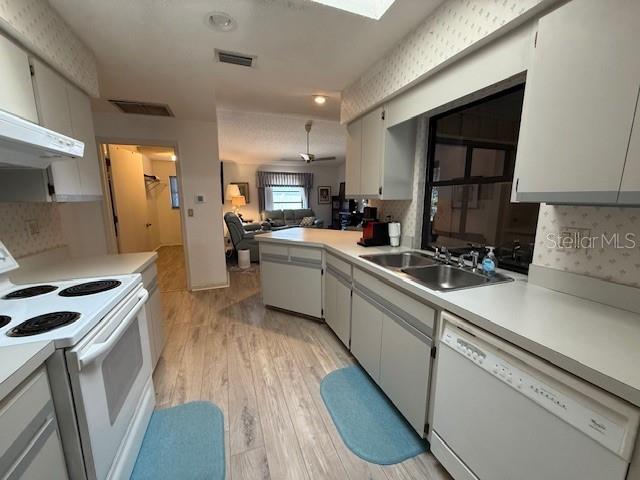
column 310, row 157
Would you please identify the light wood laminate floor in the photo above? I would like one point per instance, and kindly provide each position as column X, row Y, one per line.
column 263, row 369
column 172, row 272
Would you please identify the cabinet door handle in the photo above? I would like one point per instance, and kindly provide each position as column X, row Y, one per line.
column 380, row 191
column 517, row 183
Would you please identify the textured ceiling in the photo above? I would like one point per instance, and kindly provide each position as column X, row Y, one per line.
column 163, row 51
column 259, row 138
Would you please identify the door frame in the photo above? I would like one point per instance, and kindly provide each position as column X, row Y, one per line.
column 108, row 215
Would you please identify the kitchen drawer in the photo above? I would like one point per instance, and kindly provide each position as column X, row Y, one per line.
column 274, row 249
column 305, row 255
column 22, row 407
column 339, row 265
column 419, row 315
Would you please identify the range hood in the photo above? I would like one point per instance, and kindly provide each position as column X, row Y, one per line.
column 26, row 144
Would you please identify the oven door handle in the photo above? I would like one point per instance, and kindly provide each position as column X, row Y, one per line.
column 98, row 349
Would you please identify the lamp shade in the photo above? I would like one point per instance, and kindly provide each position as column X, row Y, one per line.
column 238, row 201
column 232, row 191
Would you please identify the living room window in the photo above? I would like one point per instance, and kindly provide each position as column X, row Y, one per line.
column 285, row 198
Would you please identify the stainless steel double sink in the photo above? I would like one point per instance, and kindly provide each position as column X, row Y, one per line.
column 434, row 275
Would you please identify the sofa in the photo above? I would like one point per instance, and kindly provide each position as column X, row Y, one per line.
column 280, row 219
column 243, row 236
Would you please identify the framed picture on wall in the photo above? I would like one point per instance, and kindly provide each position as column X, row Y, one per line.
column 244, row 189
column 324, row 195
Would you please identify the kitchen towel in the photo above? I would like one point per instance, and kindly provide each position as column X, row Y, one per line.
column 367, row 421
column 183, row 442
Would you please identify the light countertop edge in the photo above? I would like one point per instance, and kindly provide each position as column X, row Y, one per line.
column 479, row 306
column 17, row 362
column 83, row 267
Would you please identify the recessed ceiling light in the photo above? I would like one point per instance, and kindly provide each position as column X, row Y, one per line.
column 221, row 21
column 367, row 8
column 320, row 99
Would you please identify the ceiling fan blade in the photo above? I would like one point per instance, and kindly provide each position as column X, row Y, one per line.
column 319, row 159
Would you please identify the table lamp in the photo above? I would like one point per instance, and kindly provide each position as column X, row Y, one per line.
column 238, row 201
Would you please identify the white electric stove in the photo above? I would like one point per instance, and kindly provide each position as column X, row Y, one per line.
column 63, row 312
column 100, row 373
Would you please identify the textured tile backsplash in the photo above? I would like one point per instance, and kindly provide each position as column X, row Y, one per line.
column 28, row 228
column 600, row 242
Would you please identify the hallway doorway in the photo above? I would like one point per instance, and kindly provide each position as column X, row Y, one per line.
column 145, row 206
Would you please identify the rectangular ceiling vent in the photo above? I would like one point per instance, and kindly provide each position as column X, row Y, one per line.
column 235, row 58
column 143, row 108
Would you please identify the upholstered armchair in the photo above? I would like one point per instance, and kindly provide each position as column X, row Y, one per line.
column 240, row 237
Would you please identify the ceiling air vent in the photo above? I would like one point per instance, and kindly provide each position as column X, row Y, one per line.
column 143, row 108
column 235, row 58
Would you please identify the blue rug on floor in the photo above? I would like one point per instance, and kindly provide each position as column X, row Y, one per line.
column 183, row 442
column 367, row 421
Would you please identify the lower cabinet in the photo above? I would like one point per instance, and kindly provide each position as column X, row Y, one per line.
column 391, row 339
column 405, row 367
column 153, row 312
column 366, row 334
column 337, row 304
column 292, row 278
column 30, row 446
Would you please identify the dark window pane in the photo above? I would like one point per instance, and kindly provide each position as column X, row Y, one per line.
column 449, row 162
column 487, row 162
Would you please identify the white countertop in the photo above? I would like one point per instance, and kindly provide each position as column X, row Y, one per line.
column 596, row 342
column 17, row 362
column 62, row 268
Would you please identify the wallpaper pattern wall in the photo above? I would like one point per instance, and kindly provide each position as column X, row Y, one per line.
column 600, row 242
column 39, row 27
column 15, row 219
column 454, row 27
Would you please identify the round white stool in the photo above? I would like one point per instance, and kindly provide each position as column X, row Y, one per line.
column 244, row 259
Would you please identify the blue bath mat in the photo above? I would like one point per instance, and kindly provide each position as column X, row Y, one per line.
column 183, row 442
column 367, row 421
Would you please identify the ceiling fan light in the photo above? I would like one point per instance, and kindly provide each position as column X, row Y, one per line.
column 320, row 99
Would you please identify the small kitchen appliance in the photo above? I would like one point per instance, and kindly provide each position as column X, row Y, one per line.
column 394, row 234
column 374, row 234
column 370, row 213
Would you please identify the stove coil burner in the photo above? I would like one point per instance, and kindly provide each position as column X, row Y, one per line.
column 4, row 320
column 29, row 292
column 43, row 323
column 89, row 288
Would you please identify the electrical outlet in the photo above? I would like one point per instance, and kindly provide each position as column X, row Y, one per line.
column 33, row 227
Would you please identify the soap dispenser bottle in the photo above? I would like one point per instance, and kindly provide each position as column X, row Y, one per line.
column 489, row 263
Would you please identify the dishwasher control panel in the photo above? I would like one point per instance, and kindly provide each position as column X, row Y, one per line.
column 567, row 407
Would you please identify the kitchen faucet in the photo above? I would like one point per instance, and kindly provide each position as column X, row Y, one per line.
column 472, row 256
column 443, row 255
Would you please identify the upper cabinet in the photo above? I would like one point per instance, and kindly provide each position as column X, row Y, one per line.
column 380, row 160
column 579, row 104
column 16, row 92
column 65, row 109
column 630, row 187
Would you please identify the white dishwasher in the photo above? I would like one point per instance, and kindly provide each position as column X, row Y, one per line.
column 503, row 414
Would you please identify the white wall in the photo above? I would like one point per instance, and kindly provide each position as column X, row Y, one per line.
column 199, row 166
column 323, row 175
